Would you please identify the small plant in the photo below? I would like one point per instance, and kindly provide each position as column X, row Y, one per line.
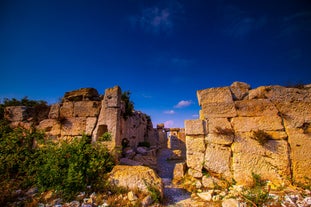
column 306, row 128
column 224, row 131
column 154, row 193
column 258, row 195
column 105, row 137
column 129, row 105
column 261, row 137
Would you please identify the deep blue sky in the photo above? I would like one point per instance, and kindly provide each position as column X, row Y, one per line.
column 162, row 51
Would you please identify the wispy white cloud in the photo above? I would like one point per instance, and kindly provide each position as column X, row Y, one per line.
column 169, row 112
column 158, row 19
column 169, row 124
column 195, row 115
column 183, row 103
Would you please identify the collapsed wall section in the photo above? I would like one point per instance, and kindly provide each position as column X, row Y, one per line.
column 240, row 131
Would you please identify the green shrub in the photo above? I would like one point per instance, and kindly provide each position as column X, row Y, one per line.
column 129, row 105
column 258, row 195
column 105, row 137
column 71, row 167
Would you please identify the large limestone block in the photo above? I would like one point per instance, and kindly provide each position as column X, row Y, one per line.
column 239, row 90
column 16, row 113
column 246, row 124
column 217, row 110
column 280, row 94
column 255, row 107
column 86, row 108
column 270, row 161
column 295, row 113
column 73, row 126
column 214, row 95
column 195, row 127
column 66, row 110
column 300, row 143
column 195, row 152
column 81, row 94
column 90, row 125
column 217, row 159
column 54, row 111
column 51, row 127
column 220, row 131
column 136, row 178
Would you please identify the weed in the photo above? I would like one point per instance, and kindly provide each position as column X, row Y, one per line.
column 105, row 137
column 258, row 194
column 261, row 137
column 154, row 193
column 224, row 131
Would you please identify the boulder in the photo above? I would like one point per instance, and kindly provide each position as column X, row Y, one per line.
column 179, row 171
column 220, row 131
column 247, row 124
column 82, row 94
column 214, row 95
column 239, row 90
column 66, row 110
column 136, row 178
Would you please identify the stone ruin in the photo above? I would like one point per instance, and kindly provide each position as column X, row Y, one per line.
column 240, row 131
column 84, row 111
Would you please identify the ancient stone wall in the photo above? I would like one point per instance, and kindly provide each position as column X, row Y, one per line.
column 241, row 131
column 84, row 111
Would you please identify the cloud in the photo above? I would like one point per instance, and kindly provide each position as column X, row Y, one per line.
column 169, row 124
column 183, row 103
column 169, row 112
column 158, row 19
column 195, row 115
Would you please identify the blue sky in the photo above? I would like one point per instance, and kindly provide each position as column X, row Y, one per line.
column 161, row 51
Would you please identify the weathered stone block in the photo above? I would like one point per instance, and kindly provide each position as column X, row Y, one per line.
column 220, row 131
column 214, row 95
column 246, row 124
column 239, row 90
column 135, row 178
column 66, row 110
column 113, row 97
column 82, row 94
column 300, row 143
column 217, row 160
column 86, row 108
column 50, row 126
column 195, row 173
column 195, row 152
column 255, row 107
column 16, row 113
column 90, row 125
column 73, row 126
column 270, row 161
column 179, row 171
column 217, row 110
column 195, row 127
column 54, row 111
column 295, row 113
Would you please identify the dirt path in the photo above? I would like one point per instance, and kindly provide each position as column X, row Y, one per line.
column 173, row 195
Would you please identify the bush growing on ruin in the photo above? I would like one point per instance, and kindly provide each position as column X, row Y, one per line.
column 129, row 105
column 68, row 167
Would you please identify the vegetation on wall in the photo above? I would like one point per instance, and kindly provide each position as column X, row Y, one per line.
column 129, row 105
column 65, row 167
